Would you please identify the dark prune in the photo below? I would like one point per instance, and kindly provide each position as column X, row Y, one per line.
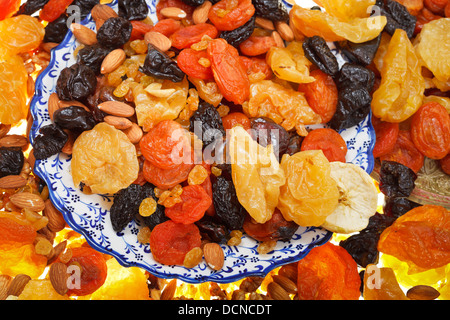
column 228, row 209
column 378, row 222
column 11, row 161
column 206, row 124
column 362, row 53
column 92, row 56
column 398, row 206
column 76, row 82
column 318, row 52
column 50, row 141
column 56, row 30
column 133, row 9
column 353, row 107
column 239, row 35
column 126, row 204
column 277, row 228
column 85, row 6
column 396, row 179
column 74, row 118
column 159, row 215
column 212, row 230
column 398, row 17
column 362, row 247
column 194, row 3
column 352, row 75
column 266, row 131
column 114, row 32
column 271, row 9
column 31, row 6
column 294, row 145
column 159, row 65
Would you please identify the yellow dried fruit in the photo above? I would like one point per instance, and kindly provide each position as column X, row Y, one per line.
column 147, row 207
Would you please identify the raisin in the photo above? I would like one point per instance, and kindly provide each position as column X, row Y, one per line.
column 396, row 179
column 76, row 82
column 266, row 131
column 228, row 209
column 11, row 161
column 398, row 17
column 114, row 32
column 271, row 9
column 74, row 118
column 240, row 34
column 159, row 65
column 398, row 206
column 31, row 6
column 362, row 53
column 50, row 141
column 318, row 52
column 212, row 230
column 159, row 215
column 133, row 9
column 56, row 30
column 92, row 56
column 295, row 144
column 352, row 75
column 207, row 124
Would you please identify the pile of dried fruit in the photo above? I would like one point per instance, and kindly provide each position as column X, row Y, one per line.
column 247, row 77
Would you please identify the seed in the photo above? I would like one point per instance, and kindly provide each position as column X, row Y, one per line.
column 214, row 255
column 18, row 284
column 277, row 292
column 422, row 292
column 286, row 283
column 173, row 12
column 169, row 291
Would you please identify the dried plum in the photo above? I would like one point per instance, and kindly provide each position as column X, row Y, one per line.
column 74, row 118
column 398, row 206
column 266, row 131
column 159, row 65
column 85, row 6
column 92, row 56
column 50, row 141
column 56, row 30
column 352, row 75
column 194, row 3
column 396, row 179
column 295, row 144
column 11, row 161
column 228, row 209
column 114, row 32
column 133, row 9
column 206, row 124
column 271, row 9
column 31, row 6
column 126, row 204
column 362, row 53
column 398, row 17
column 76, row 82
column 238, row 35
column 318, row 52
column 212, row 230
column 362, row 247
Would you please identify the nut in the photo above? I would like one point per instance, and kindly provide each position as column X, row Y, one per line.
column 5, row 281
column 113, row 60
column 83, row 34
column 134, row 133
column 200, row 14
column 12, row 182
column 14, row 140
column 278, row 40
column 284, row 30
column 53, row 104
column 58, row 277
column 169, row 290
column 173, row 13
column 65, row 104
column 276, row 292
column 57, row 250
column 422, row 292
column 117, row 108
column 158, row 40
column 4, row 129
column 56, row 220
column 120, row 123
column 17, row 284
column 264, row 23
column 28, row 200
column 286, row 283
column 102, row 12
column 214, row 255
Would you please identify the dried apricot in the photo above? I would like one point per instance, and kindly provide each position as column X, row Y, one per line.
column 104, row 159
column 329, row 141
column 15, row 229
column 189, row 62
column 256, row 45
column 386, row 136
column 229, row 15
column 194, row 203
column 185, row 37
column 53, row 9
column 9, row 8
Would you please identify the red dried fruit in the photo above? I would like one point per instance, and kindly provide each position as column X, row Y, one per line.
column 185, row 37
column 189, row 61
column 195, row 201
column 329, row 141
column 229, row 15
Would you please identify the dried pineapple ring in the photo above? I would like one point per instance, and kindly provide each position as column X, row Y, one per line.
column 358, row 199
column 104, row 159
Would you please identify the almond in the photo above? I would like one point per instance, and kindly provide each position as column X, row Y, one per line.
column 48, row 46
column 57, row 250
column 12, row 182
column 56, row 220
column 158, row 40
column 173, row 13
column 284, row 30
column 102, row 12
column 120, row 123
column 200, row 14
column 117, row 108
column 134, row 133
column 68, row 146
column 422, row 292
column 65, row 104
column 286, row 283
column 28, row 200
column 169, row 291
column 276, row 292
column 214, row 255
column 278, row 39
column 4, row 129
column 58, row 277
column 264, row 23
column 83, row 34
column 113, row 60
column 53, row 104
column 14, row 140
column 5, row 281
column 17, row 284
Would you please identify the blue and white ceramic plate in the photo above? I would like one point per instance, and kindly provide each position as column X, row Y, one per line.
column 89, row 214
